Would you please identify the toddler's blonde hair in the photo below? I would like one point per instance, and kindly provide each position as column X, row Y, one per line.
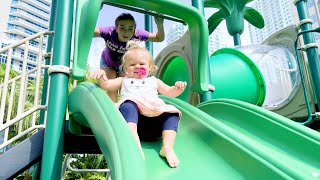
column 132, row 48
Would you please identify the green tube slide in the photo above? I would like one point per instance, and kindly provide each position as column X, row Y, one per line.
column 236, row 76
column 211, row 143
column 176, row 70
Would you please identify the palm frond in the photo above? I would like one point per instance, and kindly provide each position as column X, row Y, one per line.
column 215, row 20
column 234, row 12
column 253, row 17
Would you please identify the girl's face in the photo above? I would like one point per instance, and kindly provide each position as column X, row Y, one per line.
column 137, row 65
column 125, row 30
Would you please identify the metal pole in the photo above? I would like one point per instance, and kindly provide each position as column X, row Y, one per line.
column 148, row 27
column 199, row 5
column 207, row 95
column 312, row 52
column 54, row 135
column 47, row 59
column 236, row 39
column 131, row 8
column 311, row 116
column 37, row 166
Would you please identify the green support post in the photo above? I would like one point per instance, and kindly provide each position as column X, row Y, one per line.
column 37, row 167
column 54, row 135
column 49, row 46
column 148, row 26
column 236, row 39
column 206, row 95
column 312, row 52
column 199, row 5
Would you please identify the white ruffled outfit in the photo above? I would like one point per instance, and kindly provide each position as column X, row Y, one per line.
column 145, row 94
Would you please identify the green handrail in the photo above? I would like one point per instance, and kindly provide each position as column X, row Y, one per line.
column 311, row 115
column 147, row 12
column 312, row 52
column 57, row 104
column 85, row 21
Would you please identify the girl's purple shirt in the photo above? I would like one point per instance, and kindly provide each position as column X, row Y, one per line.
column 115, row 49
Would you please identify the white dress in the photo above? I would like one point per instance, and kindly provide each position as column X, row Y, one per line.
column 145, row 94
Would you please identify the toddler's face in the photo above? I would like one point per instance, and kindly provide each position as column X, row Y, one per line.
column 125, row 30
column 137, row 65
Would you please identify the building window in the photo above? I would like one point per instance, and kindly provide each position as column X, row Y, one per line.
column 14, row 1
column 34, row 43
column 12, row 10
column 11, row 26
column 31, row 56
column 12, row 36
column 30, row 32
column 4, row 45
column 3, row 58
column 12, row 18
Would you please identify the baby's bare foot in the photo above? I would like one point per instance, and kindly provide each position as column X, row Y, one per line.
column 171, row 156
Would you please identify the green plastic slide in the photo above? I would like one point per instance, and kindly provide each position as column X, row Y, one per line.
column 233, row 140
column 273, row 143
column 91, row 107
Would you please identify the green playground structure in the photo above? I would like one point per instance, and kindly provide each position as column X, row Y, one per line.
column 223, row 134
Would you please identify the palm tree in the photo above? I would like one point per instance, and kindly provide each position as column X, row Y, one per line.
column 2, row 72
column 234, row 12
column 12, row 73
column 87, row 161
column 29, row 101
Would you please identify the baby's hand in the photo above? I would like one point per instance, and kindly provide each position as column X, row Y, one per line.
column 180, row 85
column 98, row 74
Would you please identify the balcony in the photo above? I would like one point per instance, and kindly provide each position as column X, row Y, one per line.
column 26, row 7
column 17, row 30
column 21, row 32
column 26, row 24
column 38, row 4
column 32, row 49
column 35, row 19
column 48, row 2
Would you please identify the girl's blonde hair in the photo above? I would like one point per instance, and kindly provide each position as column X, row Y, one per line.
column 132, row 47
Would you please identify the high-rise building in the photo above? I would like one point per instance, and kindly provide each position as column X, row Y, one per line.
column 277, row 15
column 176, row 31
column 20, row 19
column 215, row 40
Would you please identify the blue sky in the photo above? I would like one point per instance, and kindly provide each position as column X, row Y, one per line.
column 108, row 14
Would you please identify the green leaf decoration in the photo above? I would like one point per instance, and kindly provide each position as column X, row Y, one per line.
column 234, row 12
column 215, row 20
column 253, row 17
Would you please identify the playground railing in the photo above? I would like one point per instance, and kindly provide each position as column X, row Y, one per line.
column 20, row 93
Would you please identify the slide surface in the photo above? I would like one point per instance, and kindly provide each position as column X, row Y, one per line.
column 90, row 106
column 232, row 140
